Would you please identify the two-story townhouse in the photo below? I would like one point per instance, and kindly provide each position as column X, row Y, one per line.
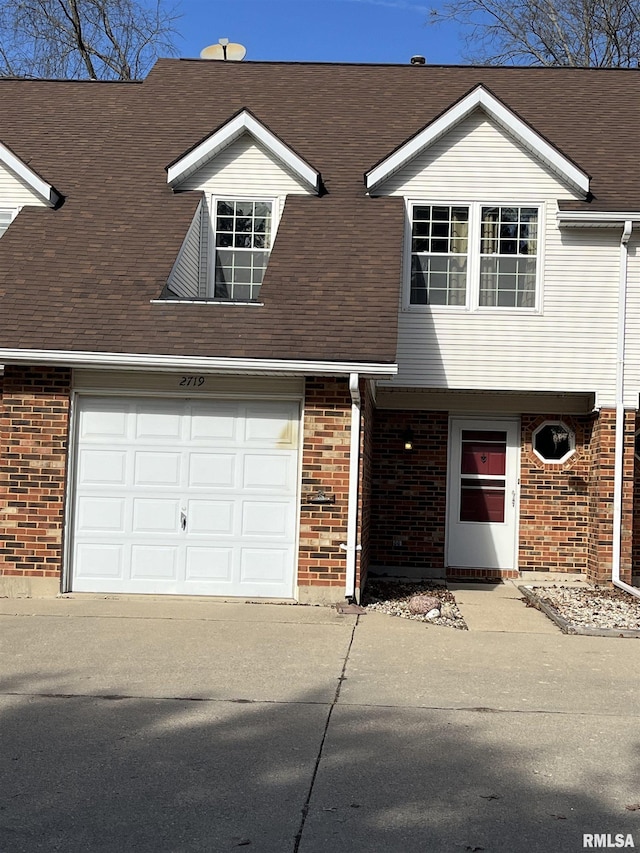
column 267, row 327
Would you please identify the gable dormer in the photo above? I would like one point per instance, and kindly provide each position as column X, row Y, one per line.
column 245, row 173
column 480, row 100
column 20, row 186
column 480, row 186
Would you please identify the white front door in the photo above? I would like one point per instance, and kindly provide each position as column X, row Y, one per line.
column 196, row 497
column 483, row 499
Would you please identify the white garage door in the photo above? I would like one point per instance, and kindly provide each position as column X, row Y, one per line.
column 194, row 497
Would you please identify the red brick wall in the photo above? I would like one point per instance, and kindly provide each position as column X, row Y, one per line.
column 602, row 485
column 325, row 465
column 554, row 501
column 409, row 490
column 33, row 432
column 636, row 508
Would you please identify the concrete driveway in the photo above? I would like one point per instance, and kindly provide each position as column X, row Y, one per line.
column 158, row 725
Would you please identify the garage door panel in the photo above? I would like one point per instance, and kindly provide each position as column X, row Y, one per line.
column 102, row 467
column 209, row 564
column 270, row 426
column 154, row 515
column 159, row 422
column 265, row 519
column 157, row 468
column 212, row 470
column 154, row 562
column 100, row 561
column 214, row 422
column 211, row 518
column 185, row 496
column 263, row 565
column 107, row 419
column 99, row 513
column 268, row 472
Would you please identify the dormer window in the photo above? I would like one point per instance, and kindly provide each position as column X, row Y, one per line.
column 7, row 215
column 242, row 240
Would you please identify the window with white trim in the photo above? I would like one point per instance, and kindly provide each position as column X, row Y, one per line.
column 474, row 256
column 242, row 240
column 7, row 215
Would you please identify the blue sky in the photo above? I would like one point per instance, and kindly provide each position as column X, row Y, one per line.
column 319, row 30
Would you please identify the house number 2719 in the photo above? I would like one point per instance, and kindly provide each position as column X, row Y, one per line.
column 192, row 381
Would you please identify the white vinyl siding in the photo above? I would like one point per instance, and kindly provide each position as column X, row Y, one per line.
column 569, row 345
column 184, row 279
column 245, row 169
column 14, row 192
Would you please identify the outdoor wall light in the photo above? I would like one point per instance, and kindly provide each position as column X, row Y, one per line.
column 407, row 439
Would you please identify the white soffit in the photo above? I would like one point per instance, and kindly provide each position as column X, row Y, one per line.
column 244, row 122
column 479, row 98
column 20, row 168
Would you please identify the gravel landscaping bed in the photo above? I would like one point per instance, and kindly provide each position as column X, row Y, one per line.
column 598, row 610
column 393, row 597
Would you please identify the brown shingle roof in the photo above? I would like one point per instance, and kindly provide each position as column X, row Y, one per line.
column 83, row 277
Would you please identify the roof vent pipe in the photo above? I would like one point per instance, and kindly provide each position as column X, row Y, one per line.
column 418, row 60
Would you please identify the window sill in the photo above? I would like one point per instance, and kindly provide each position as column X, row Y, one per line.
column 205, row 302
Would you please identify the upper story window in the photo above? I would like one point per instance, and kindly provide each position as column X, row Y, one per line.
column 242, row 241
column 439, row 250
column 7, row 215
column 474, row 256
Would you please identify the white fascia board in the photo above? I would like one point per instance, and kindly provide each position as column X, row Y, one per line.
column 595, row 219
column 190, row 364
column 40, row 187
column 227, row 134
column 479, row 98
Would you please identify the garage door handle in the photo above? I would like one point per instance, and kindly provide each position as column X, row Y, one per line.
column 183, row 520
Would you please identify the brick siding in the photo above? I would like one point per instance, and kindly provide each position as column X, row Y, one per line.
column 409, row 490
column 555, row 501
column 325, row 466
column 566, row 510
column 34, row 431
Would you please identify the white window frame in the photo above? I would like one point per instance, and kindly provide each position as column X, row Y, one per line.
column 209, row 284
column 472, row 301
column 571, row 433
column 13, row 211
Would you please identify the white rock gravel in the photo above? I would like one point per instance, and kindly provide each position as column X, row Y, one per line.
column 393, row 597
column 593, row 607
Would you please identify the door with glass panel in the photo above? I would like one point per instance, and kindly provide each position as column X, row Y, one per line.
column 483, row 499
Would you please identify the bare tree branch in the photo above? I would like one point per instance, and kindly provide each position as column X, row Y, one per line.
column 94, row 39
column 599, row 33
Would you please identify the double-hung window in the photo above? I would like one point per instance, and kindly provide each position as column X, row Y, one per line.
column 474, row 255
column 242, row 238
column 7, row 215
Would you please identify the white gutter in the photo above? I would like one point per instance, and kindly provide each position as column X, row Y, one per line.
column 619, row 445
column 594, row 218
column 354, row 470
column 191, row 364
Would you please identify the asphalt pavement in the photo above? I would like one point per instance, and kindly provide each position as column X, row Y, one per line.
column 192, row 725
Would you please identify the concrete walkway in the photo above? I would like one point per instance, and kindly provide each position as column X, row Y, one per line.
column 159, row 725
column 499, row 607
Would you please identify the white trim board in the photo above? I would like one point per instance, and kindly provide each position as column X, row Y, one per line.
column 33, row 180
column 244, row 122
column 189, row 364
column 479, row 98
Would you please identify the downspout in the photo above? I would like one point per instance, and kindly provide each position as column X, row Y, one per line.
column 619, row 439
column 351, row 546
